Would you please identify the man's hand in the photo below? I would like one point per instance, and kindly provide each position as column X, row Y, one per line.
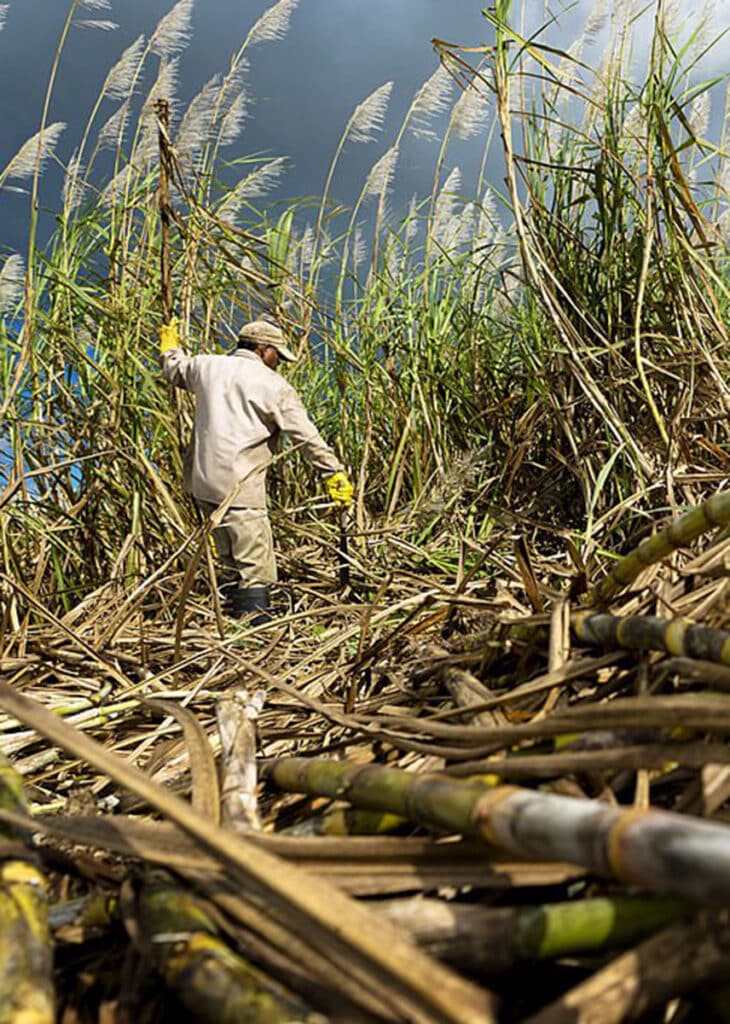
column 340, row 489
column 169, row 337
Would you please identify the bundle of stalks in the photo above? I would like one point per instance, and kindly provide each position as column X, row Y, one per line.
column 439, row 770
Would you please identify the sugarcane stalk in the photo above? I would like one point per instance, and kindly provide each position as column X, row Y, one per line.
column 496, row 939
column 210, row 980
column 670, row 963
column 343, row 561
column 236, row 718
column 26, row 957
column 347, row 821
column 657, row 850
column 677, row 637
column 680, row 532
column 162, row 108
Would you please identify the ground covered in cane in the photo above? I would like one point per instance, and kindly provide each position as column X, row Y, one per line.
column 476, row 766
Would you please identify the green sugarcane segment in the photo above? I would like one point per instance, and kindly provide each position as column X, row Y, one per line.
column 496, row 939
column 432, row 798
column 657, row 850
column 348, row 821
column 560, row 929
column 681, row 532
column 650, row 633
column 26, row 957
column 215, row 984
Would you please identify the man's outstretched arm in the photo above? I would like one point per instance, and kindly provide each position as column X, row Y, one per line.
column 292, row 418
column 176, row 364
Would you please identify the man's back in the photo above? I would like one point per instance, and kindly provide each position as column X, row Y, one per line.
column 241, row 407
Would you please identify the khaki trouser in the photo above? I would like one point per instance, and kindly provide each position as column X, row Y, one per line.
column 245, row 545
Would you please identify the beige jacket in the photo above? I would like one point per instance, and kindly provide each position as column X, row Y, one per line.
column 241, row 408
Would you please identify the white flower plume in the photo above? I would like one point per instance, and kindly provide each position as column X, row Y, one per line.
column 431, row 100
column 100, row 23
column 36, row 150
column 359, row 249
column 196, row 127
column 234, row 118
column 412, row 219
column 263, row 179
column 273, row 23
column 12, row 281
column 112, row 131
column 121, row 78
column 470, row 111
column 368, row 116
column 488, row 222
column 173, row 31
column 165, row 87
column 699, row 115
column 4, row 8
column 96, row 5
column 258, row 183
column 380, row 177
column 117, row 187
column 446, row 224
column 73, row 185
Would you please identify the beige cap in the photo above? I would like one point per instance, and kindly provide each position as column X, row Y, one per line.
column 263, row 333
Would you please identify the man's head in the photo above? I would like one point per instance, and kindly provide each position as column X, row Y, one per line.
column 267, row 341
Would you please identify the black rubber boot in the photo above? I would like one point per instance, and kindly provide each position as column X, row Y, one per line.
column 251, row 599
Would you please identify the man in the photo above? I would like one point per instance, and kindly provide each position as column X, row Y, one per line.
column 241, row 407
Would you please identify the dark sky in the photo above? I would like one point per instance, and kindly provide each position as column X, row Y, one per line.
column 305, row 86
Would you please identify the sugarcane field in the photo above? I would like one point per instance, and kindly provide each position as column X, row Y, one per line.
column 365, row 546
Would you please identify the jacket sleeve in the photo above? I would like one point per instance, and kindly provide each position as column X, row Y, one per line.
column 179, row 368
column 292, row 418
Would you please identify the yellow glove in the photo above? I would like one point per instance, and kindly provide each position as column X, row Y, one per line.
column 340, row 489
column 169, row 337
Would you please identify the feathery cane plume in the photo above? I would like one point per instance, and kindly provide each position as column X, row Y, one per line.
column 412, row 219
column 258, row 183
column 595, row 21
column 704, row 33
column 96, row 5
column 380, row 176
column 73, row 186
column 263, row 179
column 164, row 87
column 37, row 149
column 196, row 126
column 368, row 117
column 111, row 133
column 634, row 127
column 470, row 111
column 101, row 23
column 234, row 118
column 672, row 16
column 117, row 187
column 487, row 220
column 431, row 100
column 173, row 31
column 12, row 279
column 359, row 250
column 306, row 248
column 273, row 23
column 699, row 115
column 3, row 14
column 445, row 214
column 122, row 75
